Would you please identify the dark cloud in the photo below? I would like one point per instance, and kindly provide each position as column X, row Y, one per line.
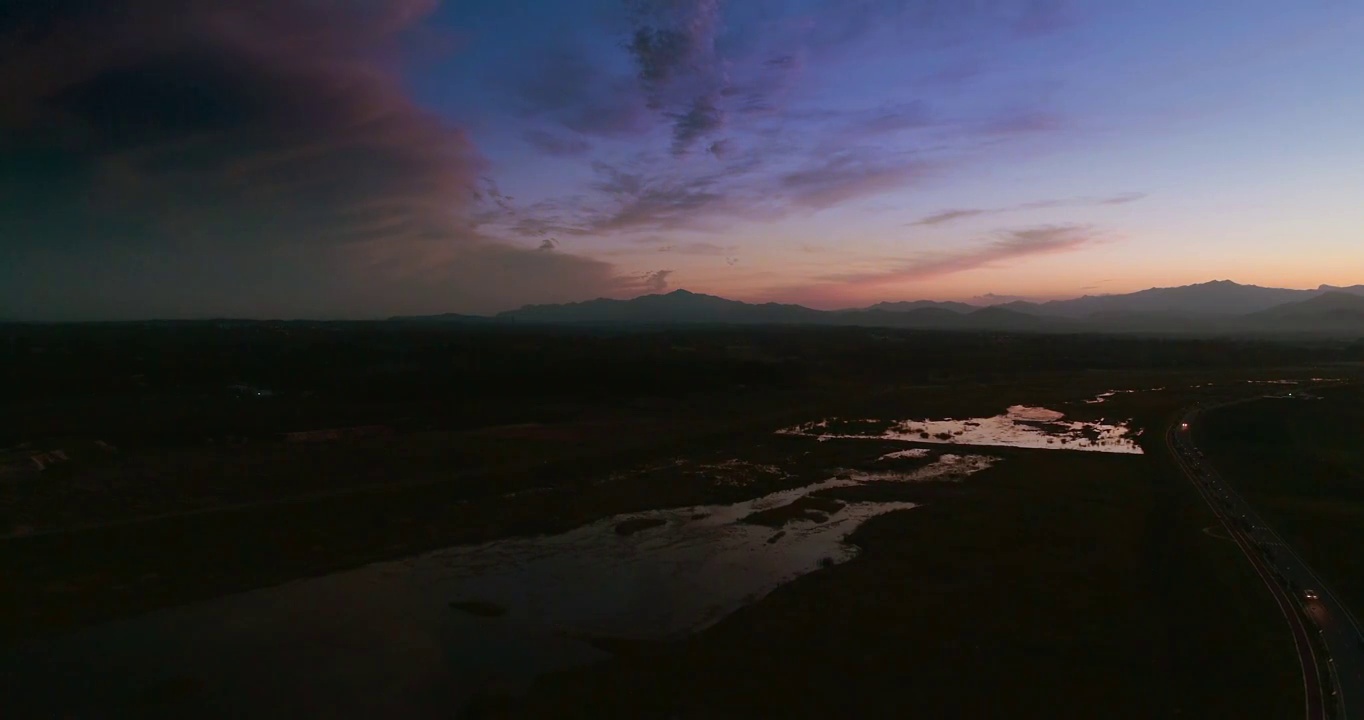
column 660, row 53
column 635, row 202
column 930, row 24
column 552, row 144
column 1011, row 245
column 673, row 46
column 947, row 216
column 257, row 156
column 703, row 118
column 565, row 87
column 661, row 208
column 548, row 244
column 632, row 200
column 701, row 68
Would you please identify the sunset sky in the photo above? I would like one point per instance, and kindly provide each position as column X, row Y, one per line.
column 364, row 158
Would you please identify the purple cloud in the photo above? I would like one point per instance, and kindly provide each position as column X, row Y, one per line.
column 947, row 216
column 260, row 156
column 552, row 144
column 698, row 248
column 1012, row 245
column 656, row 281
column 846, row 177
column 567, row 88
column 703, row 69
column 703, row 118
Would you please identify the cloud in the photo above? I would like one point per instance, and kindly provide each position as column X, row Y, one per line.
column 698, row 248
column 552, row 144
column 906, row 116
column 947, row 216
column 672, row 39
column 656, row 281
column 659, row 206
column 637, row 198
column 702, row 119
column 255, row 157
column 845, row 177
column 660, row 53
column 717, row 112
column 1122, row 199
column 1011, row 245
column 680, row 72
column 567, row 88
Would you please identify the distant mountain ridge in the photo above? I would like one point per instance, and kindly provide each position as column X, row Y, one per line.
column 678, row 306
column 1218, row 306
column 1219, row 297
column 903, row 306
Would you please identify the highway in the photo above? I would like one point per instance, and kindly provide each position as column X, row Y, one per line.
column 1307, row 604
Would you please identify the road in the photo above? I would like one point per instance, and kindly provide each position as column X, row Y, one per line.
column 1289, row 580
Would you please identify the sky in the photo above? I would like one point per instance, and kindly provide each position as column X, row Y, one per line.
column 367, row 158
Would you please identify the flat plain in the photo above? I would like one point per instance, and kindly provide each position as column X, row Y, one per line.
column 1050, row 583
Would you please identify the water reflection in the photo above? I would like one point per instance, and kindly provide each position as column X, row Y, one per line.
column 1020, row 426
column 419, row 637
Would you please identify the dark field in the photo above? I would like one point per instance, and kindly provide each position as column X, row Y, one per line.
column 1054, row 584
column 1301, row 461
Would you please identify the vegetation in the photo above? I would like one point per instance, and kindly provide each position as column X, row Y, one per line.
column 1055, row 583
column 1052, row 585
column 1301, row 463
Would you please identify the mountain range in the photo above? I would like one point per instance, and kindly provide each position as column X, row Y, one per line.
column 1207, row 308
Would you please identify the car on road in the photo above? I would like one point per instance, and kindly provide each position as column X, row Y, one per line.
column 1309, row 594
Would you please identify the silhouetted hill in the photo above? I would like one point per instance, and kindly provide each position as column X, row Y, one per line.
column 1334, row 312
column 1001, row 318
column 1169, row 322
column 443, row 318
column 678, row 306
column 1220, row 297
column 1349, row 290
column 1333, row 302
column 1208, row 308
column 905, row 306
column 924, row 318
column 1022, row 306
